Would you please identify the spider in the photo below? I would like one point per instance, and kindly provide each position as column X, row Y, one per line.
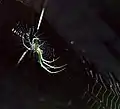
column 32, row 42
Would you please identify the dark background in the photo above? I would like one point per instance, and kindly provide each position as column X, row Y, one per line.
column 28, row 86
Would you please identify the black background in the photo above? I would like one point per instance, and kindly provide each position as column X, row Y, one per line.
column 30, row 87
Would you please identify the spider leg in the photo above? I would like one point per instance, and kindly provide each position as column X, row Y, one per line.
column 39, row 35
column 43, row 64
column 24, row 43
column 41, row 45
column 28, row 39
column 19, row 29
column 49, row 70
column 40, row 20
column 49, row 61
column 36, row 34
column 23, row 55
column 53, row 67
column 18, row 26
column 34, row 40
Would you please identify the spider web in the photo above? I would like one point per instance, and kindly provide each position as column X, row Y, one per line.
column 48, row 51
column 102, row 94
